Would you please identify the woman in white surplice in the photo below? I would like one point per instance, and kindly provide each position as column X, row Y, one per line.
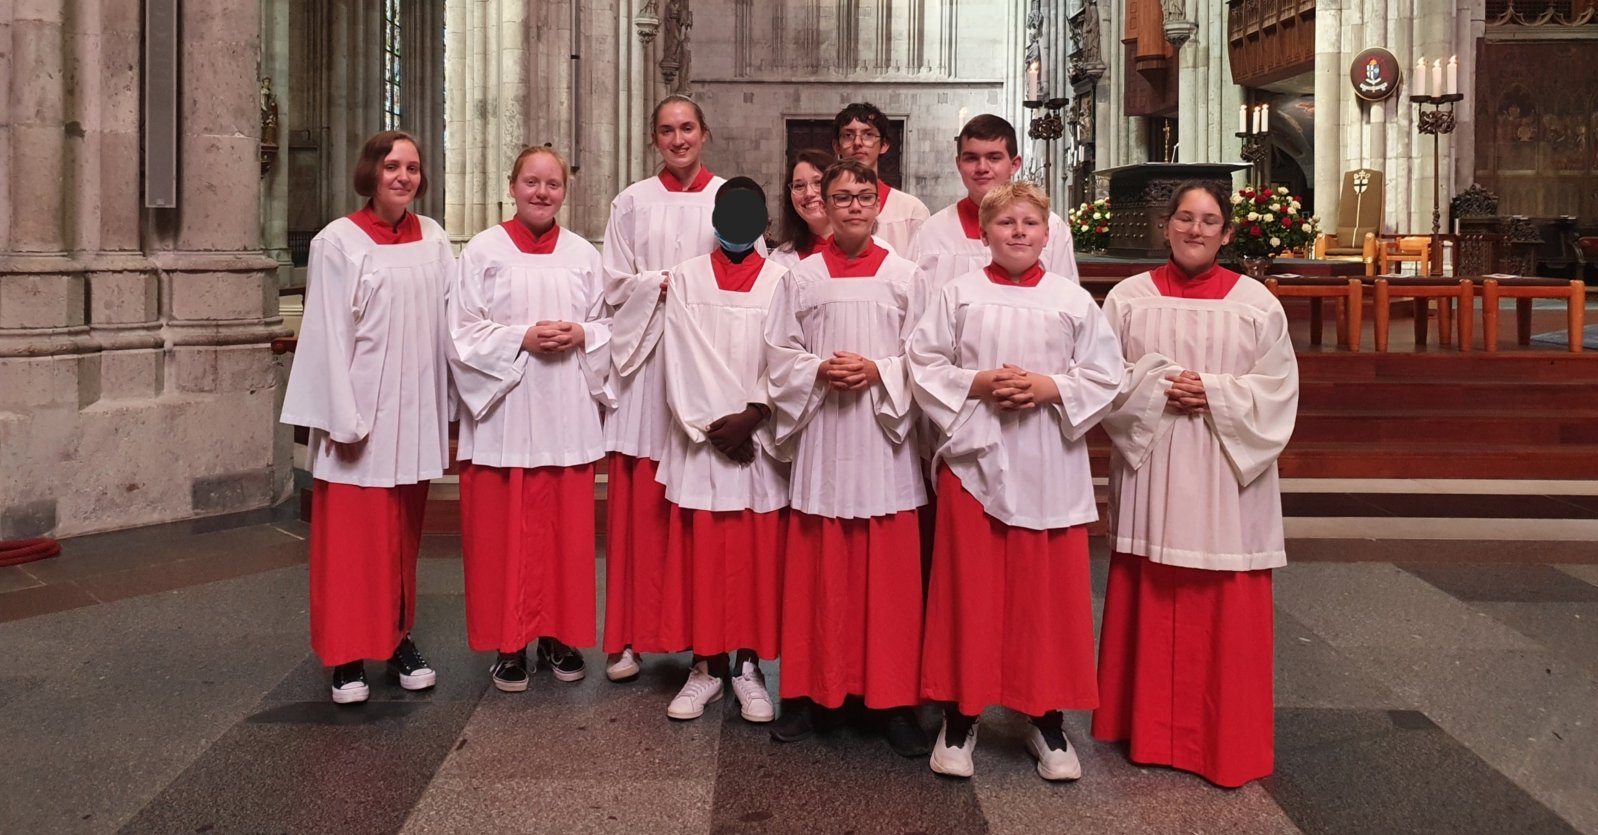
column 371, row 382
column 531, row 361
column 1013, row 364
column 1195, row 508
column 655, row 224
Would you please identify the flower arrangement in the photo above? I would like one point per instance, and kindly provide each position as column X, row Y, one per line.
column 1090, row 225
column 1268, row 222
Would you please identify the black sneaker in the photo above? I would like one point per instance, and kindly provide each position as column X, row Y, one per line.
column 349, row 683
column 565, row 662
column 1051, row 726
column 904, row 733
column 795, row 721
column 411, row 668
column 510, row 671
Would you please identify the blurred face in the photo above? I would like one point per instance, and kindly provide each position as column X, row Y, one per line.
column 398, row 179
column 804, row 191
column 983, row 164
column 1194, row 231
column 1016, row 236
column 679, row 137
column 862, row 142
column 539, row 190
column 852, row 209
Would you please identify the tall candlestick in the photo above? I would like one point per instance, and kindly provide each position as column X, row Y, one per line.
column 1453, row 74
column 1419, row 79
column 1437, row 77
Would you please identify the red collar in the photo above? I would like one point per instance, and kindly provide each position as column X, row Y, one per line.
column 840, row 265
column 882, row 192
column 739, row 277
column 1213, row 283
column 969, row 214
column 675, row 185
column 529, row 241
column 407, row 231
column 816, row 245
column 1030, row 278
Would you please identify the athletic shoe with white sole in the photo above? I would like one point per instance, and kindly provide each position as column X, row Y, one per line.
column 349, row 683
column 566, row 663
column 410, row 667
column 954, row 757
column 1057, row 760
column 701, row 689
column 749, row 685
column 622, row 666
column 510, row 671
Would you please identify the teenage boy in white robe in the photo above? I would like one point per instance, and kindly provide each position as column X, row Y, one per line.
column 862, row 132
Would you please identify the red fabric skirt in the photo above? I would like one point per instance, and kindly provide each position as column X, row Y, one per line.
column 364, row 542
column 1185, row 668
column 1009, row 612
column 527, row 538
column 722, row 585
column 636, row 511
column 851, row 609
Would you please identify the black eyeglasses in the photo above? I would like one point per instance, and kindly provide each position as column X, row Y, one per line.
column 842, row 199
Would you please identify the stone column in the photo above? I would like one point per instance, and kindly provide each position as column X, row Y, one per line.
column 488, row 81
column 275, row 65
column 422, row 93
column 1330, row 81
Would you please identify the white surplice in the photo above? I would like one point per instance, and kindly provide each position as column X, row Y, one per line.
column 370, row 369
column 899, row 219
column 854, row 453
column 651, row 230
column 523, row 409
column 1201, row 491
column 942, row 251
column 786, row 257
column 717, row 368
column 1027, row 468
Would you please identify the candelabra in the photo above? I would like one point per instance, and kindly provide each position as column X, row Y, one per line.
column 1047, row 126
column 1437, row 123
column 1256, row 143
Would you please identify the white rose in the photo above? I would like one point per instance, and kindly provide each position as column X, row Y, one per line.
column 1252, row 216
column 1267, row 217
column 1282, row 190
column 1297, row 205
column 1292, row 210
column 1276, row 207
column 1084, row 227
column 1236, row 199
column 1276, row 241
column 1308, row 228
column 1098, row 216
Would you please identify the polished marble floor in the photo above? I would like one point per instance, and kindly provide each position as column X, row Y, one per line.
column 159, row 681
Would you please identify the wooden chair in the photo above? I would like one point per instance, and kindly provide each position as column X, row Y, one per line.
column 1403, row 249
column 1447, row 291
column 1349, row 295
column 1523, row 290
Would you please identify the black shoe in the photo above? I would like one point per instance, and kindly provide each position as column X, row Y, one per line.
column 566, row 662
column 411, row 668
column 349, row 683
column 795, row 721
column 1052, row 726
column 510, row 671
column 904, row 733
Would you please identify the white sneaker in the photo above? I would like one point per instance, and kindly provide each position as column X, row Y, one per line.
column 701, row 689
column 951, row 760
column 622, row 666
column 750, row 688
column 1053, row 763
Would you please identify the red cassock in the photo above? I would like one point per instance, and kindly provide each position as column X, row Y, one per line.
column 364, row 542
column 528, row 542
column 851, row 615
column 636, row 514
column 1185, row 668
column 1000, row 627
column 721, row 590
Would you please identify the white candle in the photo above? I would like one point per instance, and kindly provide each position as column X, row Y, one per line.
column 1032, row 72
column 1437, row 76
column 1265, row 118
column 1242, row 118
column 1420, row 77
column 965, row 114
column 1453, row 74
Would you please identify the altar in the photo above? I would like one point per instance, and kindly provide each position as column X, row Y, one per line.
column 1138, row 196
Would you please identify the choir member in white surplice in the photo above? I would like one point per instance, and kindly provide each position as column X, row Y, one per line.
column 1185, row 662
column 862, row 133
column 1014, row 364
column 371, row 382
column 531, row 360
column 840, row 391
column 804, row 228
column 950, row 243
column 654, row 225
column 727, row 490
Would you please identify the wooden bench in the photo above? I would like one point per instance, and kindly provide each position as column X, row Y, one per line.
column 1349, row 294
column 1523, row 289
column 1447, row 291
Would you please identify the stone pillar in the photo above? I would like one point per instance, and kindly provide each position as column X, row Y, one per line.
column 422, row 93
column 1330, row 81
column 275, row 65
column 488, row 82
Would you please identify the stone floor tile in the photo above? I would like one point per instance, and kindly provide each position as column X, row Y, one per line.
column 1312, row 673
column 14, row 577
column 1583, row 571
column 1567, row 629
column 43, row 600
column 1499, row 583
column 481, row 804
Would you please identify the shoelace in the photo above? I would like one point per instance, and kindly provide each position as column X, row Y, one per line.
column 959, row 737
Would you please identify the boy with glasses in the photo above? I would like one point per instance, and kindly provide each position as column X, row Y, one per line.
column 860, row 133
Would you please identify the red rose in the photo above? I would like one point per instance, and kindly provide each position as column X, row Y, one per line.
column 1102, row 229
column 1256, row 231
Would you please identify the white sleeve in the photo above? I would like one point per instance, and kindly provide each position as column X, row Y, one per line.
column 795, row 393
column 596, row 324
column 320, row 392
column 486, row 357
column 699, row 385
column 1253, row 414
column 1061, row 254
column 940, row 386
column 1088, row 389
column 892, row 399
column 1139, row 416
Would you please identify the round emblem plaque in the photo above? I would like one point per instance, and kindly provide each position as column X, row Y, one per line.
column 1375, row 74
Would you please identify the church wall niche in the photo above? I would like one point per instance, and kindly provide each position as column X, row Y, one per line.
column 1535, row 142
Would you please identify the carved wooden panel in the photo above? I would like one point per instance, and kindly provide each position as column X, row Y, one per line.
column 1145, row 35
column 1149, row 94
column 1535, row 141
column 1269, row 40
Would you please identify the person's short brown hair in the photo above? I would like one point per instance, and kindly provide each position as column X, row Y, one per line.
column 533, row 151
column 988, row 127
column 1005, row 194
column 370, row 165
column 1218, row 191
column 853, row 167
